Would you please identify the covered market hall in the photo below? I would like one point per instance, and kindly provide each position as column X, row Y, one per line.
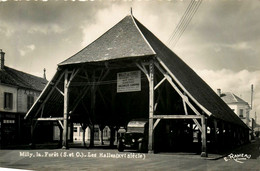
column 129, row 73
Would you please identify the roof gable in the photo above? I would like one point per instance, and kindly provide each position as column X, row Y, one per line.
column 124, row 40
column 229, row 97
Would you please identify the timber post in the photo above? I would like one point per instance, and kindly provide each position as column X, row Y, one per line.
column 216, row 140
column 61, row 133
column 33, row 125
column 65, row 114
column 203, row 137
column 101, row 136
column 151, row 107
column 71, row 131
column 84, row 126
column 93, row 108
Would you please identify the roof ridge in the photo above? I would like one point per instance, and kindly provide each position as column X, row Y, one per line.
column 233, row 96
column 24, row 72
column 133, row 18
column 239, row 99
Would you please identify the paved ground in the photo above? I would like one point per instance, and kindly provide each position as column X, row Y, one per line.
column 243, row 158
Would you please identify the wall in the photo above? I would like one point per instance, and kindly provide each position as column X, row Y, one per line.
column 22, row 99
column 246, row 111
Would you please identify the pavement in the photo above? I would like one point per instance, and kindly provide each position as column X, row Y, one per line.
column 245, row 157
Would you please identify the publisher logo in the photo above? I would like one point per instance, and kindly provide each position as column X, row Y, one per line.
column 237, row 157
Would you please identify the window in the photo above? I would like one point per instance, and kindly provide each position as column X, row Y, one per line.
column 8, row 101
column 30, row 100
column 241, row 113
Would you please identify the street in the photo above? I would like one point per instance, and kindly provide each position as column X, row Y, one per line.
column 243, row 158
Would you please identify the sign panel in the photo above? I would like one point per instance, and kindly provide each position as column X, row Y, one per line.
column 129, row 81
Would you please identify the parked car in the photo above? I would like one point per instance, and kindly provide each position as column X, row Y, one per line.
column 136, row 136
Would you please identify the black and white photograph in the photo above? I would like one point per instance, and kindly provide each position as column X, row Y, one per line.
column 130, row 85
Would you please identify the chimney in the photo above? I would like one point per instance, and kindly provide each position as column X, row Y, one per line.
column 219, row 92
column 44, row 73
column 252, row 95
column 2, row 61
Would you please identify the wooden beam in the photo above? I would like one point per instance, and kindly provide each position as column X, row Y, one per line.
column 151, row 106
column 65, row 114
column 144, row 71
column 59, row 91
column 33, row 125
column 49, row 94
column 178, row 116
column 61, row 125
column 159, row 83
column 74, row 73
column 203, row 137
column 186, row 113
column 50, row 119
column 177, row 89
column 79, row 98
column 93, row 108
column 178, row 82
column 156, row 123
column 42, row 109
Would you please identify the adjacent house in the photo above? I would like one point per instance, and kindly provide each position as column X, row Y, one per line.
column 18, row 91
column 238, row 105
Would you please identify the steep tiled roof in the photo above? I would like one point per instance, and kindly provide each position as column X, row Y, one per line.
column 17, row 78
column 229, row 98
column 130, row 39
column 124, row 40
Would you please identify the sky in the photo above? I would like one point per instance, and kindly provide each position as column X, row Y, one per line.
column 221, row 43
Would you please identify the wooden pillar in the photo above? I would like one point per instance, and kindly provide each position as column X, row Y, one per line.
column 229, row 136
column 33, row 125
column 65, row 114
column 112, row 136
column 92, row 107
column 215, row 122
column 71, row 131
column 19, row 127
column 221, row 138
column 84, row 135
column 101, row 128
column 92, row 134
column 203, row 137
column 151, row 107
column 61, row 134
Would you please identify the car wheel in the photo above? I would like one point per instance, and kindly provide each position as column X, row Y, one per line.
column 120, row 146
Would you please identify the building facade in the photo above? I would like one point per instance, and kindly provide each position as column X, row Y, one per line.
column 18, row 91
column 240, row 107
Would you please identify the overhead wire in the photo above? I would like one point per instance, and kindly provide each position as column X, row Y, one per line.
column 180, row 22
column 184, row 22
column 187, row 23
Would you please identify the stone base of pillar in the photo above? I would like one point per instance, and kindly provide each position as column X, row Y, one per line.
column 64, row 148
column 150, row 152
column 204, row 154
